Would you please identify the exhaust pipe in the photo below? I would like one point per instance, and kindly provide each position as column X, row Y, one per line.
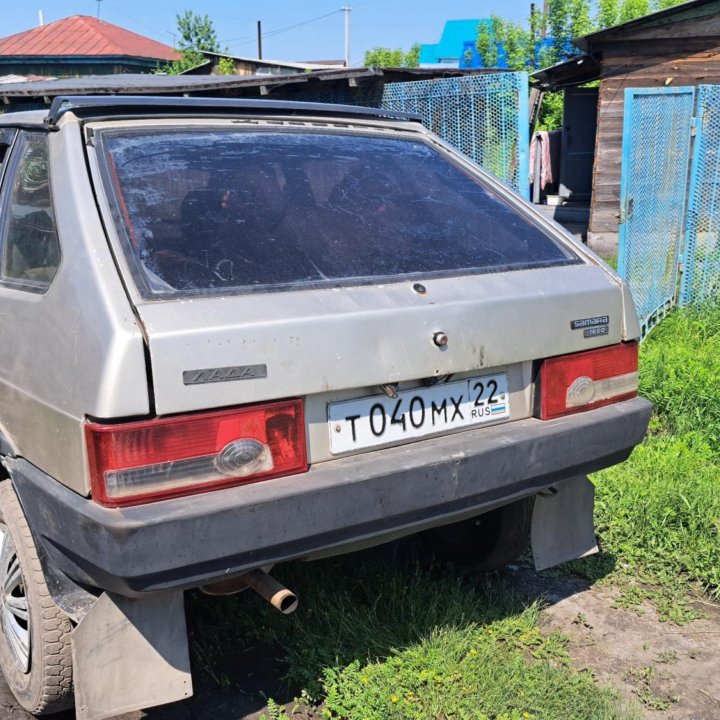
column 266, row 586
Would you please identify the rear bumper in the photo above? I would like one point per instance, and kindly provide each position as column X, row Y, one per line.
column 186, row 542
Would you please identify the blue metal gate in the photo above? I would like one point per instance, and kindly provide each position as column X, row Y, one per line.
column 484, row 116
column 701, row 258
column 655, row 154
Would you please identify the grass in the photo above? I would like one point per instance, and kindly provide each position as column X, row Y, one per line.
column 377, row 637
column 658, row 514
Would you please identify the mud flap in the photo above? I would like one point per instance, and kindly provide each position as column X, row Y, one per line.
column 130, row 654
column 562, row 523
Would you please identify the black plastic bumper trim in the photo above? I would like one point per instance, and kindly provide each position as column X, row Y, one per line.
column 186, row 542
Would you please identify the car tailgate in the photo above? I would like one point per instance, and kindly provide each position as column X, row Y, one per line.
column 222, row 351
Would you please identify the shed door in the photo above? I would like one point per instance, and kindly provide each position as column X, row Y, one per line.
column 578, row 143
column 655, row 155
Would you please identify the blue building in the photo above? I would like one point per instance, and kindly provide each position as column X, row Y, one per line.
column 456, row 36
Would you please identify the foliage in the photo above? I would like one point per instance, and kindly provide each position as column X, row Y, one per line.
column 567, row 19
column 189, row 60
column 681, row 374
column 631, row 9
column 412, row 56
column 516, row 41
column 608, row 13
column 564, row 21
column 197, row 34
column 226, row 66
column 660, row 511
column 389, row 57
column 551, row 111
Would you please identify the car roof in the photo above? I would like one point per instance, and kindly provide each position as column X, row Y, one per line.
column 109, row 106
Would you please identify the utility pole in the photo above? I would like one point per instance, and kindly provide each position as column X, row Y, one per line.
column 98, row 9
column 346, row 9
column 259, row 28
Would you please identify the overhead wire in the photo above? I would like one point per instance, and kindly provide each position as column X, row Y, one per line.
column 279, row 31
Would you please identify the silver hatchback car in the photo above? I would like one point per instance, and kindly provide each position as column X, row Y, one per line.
column 241, row 332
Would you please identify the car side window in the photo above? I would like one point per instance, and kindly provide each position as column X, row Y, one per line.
column 29, row 242
column 6, row 139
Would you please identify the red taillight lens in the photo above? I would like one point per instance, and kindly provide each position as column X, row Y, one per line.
column 151, row 460
column 585, row 380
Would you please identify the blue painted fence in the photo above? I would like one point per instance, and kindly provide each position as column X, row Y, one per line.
column 655, row 154
column 701, row 257
column 670, row 198
column 484, row 116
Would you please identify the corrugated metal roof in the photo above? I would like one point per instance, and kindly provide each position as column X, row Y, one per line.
column 692, row 9
column 230, row 85
column 86, row 36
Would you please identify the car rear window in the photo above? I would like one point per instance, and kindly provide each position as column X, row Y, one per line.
column 230, row 210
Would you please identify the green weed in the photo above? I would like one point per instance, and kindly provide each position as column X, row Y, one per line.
column 376, row 640
column 658, row 514
column 680, row 374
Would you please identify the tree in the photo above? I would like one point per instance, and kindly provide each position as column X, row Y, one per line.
column 608, row 13
column 412, row 56
column 566, row 20
column 631, row 9
column 513, row 45
column 522, row 47
column 507, row 39
column 197, row 35
column 392, row 57
column 196, row 32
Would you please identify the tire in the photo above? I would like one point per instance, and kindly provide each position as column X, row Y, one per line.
column 37, row 663
column 489, row 541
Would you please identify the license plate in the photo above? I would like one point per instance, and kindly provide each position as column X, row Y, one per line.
column 378, row 420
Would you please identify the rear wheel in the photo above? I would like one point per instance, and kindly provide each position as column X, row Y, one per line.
column 490, row 541
column 34, row 633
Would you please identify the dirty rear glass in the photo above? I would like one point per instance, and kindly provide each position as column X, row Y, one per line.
column 214, row 210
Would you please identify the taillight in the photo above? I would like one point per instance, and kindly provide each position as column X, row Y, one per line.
column 141, row 462
column 585, row 380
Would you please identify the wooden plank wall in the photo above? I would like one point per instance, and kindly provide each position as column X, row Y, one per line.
column 650, row 62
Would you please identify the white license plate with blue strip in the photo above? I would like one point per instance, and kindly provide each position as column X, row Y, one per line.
column 379, row 420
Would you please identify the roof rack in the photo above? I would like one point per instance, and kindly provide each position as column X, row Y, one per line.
column 104, row 105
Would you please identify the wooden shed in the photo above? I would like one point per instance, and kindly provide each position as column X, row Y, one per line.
column 676, row 46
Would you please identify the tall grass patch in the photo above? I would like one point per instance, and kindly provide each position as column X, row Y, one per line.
column 680, row 374
column 659, row 512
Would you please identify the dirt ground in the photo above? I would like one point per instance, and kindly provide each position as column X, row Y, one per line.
column 672, row 671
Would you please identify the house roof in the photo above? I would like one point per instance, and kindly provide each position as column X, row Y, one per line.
column 694, row 9
column 575, row 71
column 454, row 34
column 82, row 35
column 278, row 63
column 219, row 85
column 664, row 23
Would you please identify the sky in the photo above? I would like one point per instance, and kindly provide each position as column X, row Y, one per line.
column 311, row 30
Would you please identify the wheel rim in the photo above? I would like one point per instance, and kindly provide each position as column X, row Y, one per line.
column 13, row 602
